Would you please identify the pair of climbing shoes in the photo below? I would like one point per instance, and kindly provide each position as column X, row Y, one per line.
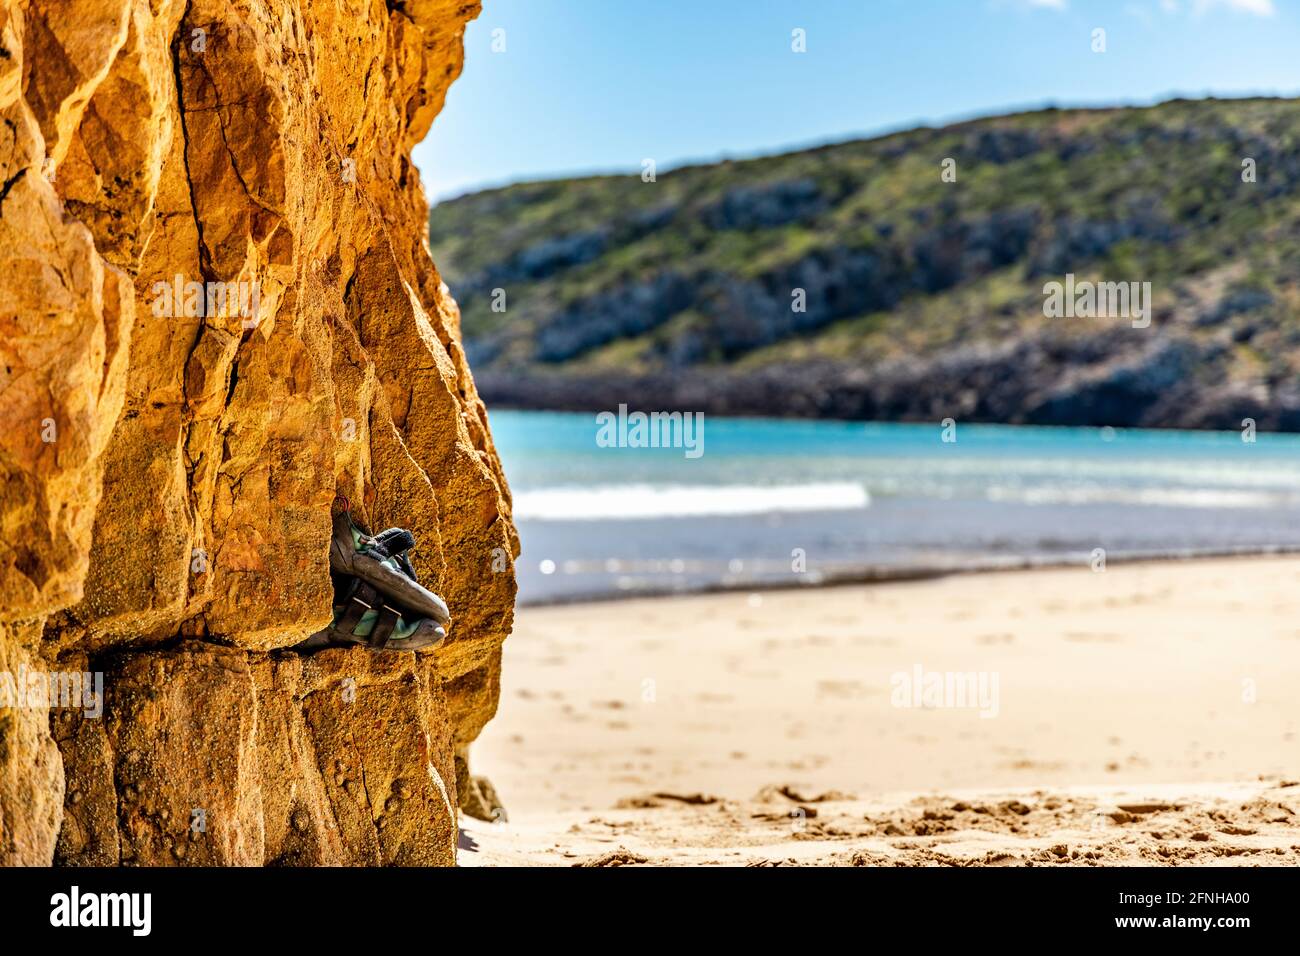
column 378, row 603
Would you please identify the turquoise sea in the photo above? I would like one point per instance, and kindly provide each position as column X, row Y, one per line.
column 803, row 502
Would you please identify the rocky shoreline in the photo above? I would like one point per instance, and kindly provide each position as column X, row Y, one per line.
column 1173, row 382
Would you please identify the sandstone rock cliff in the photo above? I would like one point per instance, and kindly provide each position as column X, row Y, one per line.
column 218, row 311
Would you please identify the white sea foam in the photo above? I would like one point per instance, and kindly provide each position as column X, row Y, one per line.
column 1164, row 497
column 684, row 501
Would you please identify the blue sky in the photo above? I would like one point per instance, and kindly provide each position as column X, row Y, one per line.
column 600, row 85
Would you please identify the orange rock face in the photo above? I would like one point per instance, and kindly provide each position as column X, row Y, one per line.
column 217, row 312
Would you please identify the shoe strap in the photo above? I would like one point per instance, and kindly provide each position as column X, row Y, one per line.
column 363, row 599
column 383, row 628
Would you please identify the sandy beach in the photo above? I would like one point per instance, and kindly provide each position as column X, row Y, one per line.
column 1146, row 714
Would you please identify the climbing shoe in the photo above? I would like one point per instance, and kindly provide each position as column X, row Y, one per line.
column 378, row 602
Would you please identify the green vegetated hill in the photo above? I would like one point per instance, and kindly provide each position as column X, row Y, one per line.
column 923, row 299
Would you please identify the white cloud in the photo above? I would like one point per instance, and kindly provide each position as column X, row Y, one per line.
column 1259, row 8
column 1142, row 13
column 1262, row 8
column 1058, row 5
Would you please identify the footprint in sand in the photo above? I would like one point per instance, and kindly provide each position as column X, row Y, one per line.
column 1025, row 763
column 842, row 689
column 870, row 641
column 710, row 698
